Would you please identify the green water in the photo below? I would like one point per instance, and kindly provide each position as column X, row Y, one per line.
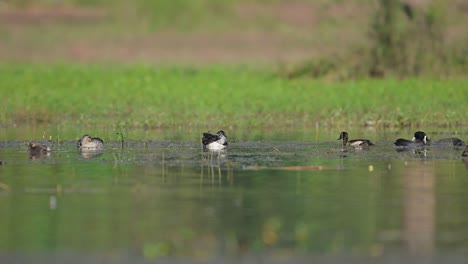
column 167, row 201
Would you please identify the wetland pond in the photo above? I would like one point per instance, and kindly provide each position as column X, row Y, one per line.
column 270, row 200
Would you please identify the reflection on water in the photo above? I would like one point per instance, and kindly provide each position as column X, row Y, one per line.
column 172, row 202
column 419, row 206
column 38, row 155
column 91, row 154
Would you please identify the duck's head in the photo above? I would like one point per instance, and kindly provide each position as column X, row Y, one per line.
column 421, row 136
column 343, row 135
column 86, row 139
column 32, row 145
column 221, row 134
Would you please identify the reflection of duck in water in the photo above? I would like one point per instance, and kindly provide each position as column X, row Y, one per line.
column 91, row 154
column 214, row 142
column 87, row 143
column 357, row 143
column 38, row 150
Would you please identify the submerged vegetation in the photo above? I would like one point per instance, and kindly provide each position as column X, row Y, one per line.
column 218, row 96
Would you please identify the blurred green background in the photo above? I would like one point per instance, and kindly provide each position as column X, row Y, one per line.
column 334, row 39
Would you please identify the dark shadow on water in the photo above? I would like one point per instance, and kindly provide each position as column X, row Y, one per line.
column 419, row 210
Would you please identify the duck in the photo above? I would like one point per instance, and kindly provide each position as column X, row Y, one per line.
column 420, row 138
column 38, row 149
column 449, row 142
column 465, row 152
column 90, row 143
column 354, row 142
column 214, row 142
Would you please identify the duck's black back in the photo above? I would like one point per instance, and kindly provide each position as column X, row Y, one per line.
column 401, row 142
column 450, row 141
column 209, row 138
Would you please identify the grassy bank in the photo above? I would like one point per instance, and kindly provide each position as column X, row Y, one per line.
column 210, row 97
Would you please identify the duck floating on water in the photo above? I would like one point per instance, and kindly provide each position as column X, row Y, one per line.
column 354, row 142
column 87, row 143
column 448, row 142
column 215, row 142
column 36, row 149
column 420, row 139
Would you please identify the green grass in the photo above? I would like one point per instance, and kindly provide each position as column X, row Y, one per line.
column 218, row 96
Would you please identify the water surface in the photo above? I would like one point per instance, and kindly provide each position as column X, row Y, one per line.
column 269, row 200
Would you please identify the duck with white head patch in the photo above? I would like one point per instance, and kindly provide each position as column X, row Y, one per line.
column 214, row 142
column 420, row 139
